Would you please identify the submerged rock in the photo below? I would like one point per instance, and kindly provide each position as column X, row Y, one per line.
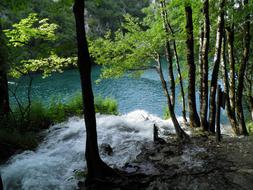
column 106, row 149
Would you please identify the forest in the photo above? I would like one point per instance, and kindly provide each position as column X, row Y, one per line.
column 126, row 94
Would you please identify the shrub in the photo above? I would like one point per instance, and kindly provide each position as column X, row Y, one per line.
column 106, row 106
column 40, row 117
column 56, row 111
column 75, row 105
column 250, row 127
column 18, row 140
column 166, row 113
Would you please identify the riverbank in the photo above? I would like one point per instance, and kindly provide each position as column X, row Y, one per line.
column 58, row 161
column 200, row 164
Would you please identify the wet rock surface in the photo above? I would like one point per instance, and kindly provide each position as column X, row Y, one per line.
column 201, row 164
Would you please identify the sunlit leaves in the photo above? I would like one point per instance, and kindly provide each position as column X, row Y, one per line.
column 132, row 50
column 29, row 29
column 31, row 38
column 46, row 66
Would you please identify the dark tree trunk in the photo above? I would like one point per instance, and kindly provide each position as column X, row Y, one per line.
column 230, row 112
column 96, row 167
column 243, row 65
column 204, row 67
column 168, row 53
column 230, row 42
column 177, row 59
column 250, row 103
column 4, row 95
column 219, row 95
column 169, row 59
column 1, row 184
column 179, row 131
column 217, row 56
column 194, row 118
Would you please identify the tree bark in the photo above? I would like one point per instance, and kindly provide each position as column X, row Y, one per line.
column 1, row 184
column 194, row 118
column 96, row 167
column 250, row 103
column 230, row 112
column 231, row 58
column 204, row 67
column 219, row 95
column 177, row 61
column 4, row 95
column 243, row 65
column 217, row 56
column 181, row 135
column 168, row 53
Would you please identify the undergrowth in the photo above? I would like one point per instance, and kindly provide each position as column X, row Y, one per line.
column 20, row 128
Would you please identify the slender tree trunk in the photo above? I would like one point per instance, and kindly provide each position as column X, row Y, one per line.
column 4, row 95
column 204, row 67
column 230, row 112
column 250, row 103
column 1, row 183
column 169, row 59
column 181, row 135
column 243, row 65
column 181, row 82
column 217, row 56
column 96, row 167
column 230, row 42
column 248, row 89
column 218, row 104
column 168, row 53
column 169, row 28
column 194, row 118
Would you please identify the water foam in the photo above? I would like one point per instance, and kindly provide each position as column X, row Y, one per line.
column 53, row 164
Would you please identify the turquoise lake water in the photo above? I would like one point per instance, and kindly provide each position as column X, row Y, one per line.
column 131, row 93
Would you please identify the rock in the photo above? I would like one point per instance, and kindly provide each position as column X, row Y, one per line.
column 106, row 149
column 167, row 151
column 156, row 157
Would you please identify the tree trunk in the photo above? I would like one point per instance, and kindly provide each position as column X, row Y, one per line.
column 194, row 118
column 96, row 167
column 243, row 65
column 213, row 87
column 230, row 112
column 169, row 59
column 250, row 103
column 230, row 41
column 163, row 5
column 204, row 67
column 219, row 95
column 181, row 135
column 180, row 81
column 168, row 54
column 4, row 95
column 1, row 184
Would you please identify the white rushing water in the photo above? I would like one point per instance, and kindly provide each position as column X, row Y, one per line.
column 52, row 166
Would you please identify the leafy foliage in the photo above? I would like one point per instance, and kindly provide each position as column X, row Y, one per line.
column 31, row 36
column 135, row 50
